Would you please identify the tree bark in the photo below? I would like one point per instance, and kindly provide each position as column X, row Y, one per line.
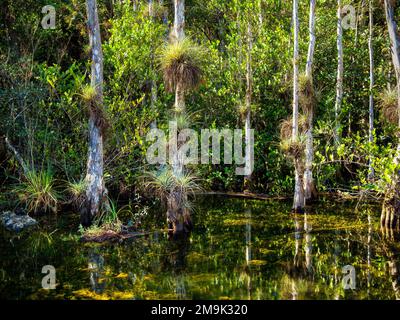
column 249, row 90
column 298, row 201
column 95, row 192
column 309, row 187
column 178, row 215
column 339, row 81
column 391, row 205
column 179, row 21
column 371, row 172
column 153, row 84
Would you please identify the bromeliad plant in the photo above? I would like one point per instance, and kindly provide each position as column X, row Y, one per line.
column 181, row 64
column 77, row 192
column 37, row 191
column 174, row 190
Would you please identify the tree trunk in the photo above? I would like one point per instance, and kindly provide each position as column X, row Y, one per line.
column 298, row 203
column 153, row 84
column 249, row 89
column 309, row 187
column 95, row 192
column 179, row 20
column 391, row 205
column 339, row 81
column 371, row 172
column 151, row 9
column 178, row 215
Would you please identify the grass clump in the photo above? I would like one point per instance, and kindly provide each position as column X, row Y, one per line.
column 37, row 191
column 286, row 127
column 77, row 192
column 181, row 63
column 88, row 94
column 294, row 149
column 96, row 110
column 164, row 183
column 388, row 105
column 107, row 226
column 307, row 97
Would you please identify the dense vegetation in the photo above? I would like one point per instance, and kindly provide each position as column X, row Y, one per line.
column 238, row 56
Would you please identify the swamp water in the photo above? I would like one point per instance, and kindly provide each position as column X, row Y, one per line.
column 239, row 249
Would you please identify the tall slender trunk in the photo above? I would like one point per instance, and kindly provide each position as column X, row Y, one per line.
column 249, row 90
column 391, row 206
column 95, row 192
column 153, row 84
column 298, row 201
column 151, row 8
column 178, row 215
column 260, row 13
column 179, row 35
column 179, row 21
column 371, row 172
column 309, row 187
column 339, row 80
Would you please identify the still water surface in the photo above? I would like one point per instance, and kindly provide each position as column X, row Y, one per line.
column 239, row 249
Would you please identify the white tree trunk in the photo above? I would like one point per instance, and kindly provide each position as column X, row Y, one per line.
column 249, row 90
column 151, row 8
column 311, row 45
column 390, row 217
column 308, row 178
column 395, row 44
column 371, row 85
column 94, row 177
column 339, row 81
column 298, row 203
column 153, row 91
column 179, row 20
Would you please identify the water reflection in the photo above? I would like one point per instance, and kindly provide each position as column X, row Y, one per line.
column 96, row 269
column 301, row 270
column 238, row 250
column 248, row 252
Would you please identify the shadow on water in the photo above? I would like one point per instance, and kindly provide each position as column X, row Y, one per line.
column 238, row 249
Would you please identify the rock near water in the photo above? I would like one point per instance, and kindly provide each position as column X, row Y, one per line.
column 16, row 222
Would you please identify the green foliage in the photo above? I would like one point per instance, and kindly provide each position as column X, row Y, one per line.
column 43, row 75
column 37, row 191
